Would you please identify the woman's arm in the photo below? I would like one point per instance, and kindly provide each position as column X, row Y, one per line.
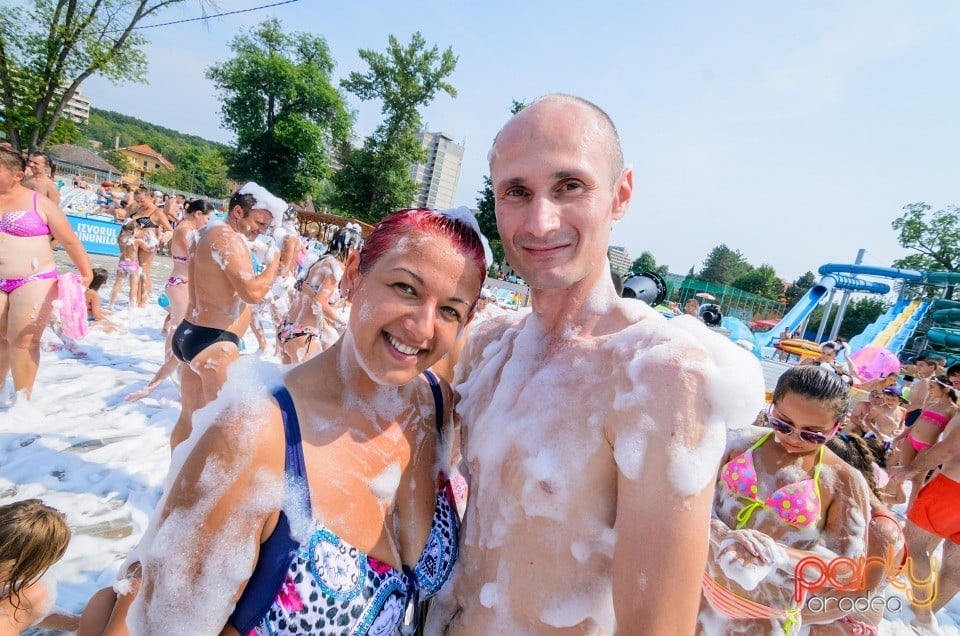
column 63, row 233
column 203, row 542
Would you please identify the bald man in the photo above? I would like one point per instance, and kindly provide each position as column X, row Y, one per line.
column 592, row 428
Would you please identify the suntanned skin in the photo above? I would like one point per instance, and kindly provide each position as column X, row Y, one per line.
column 37, row 179
column 563, row 552
column 922, row 545
column 146, row 208
column 25, row 312
column 421, row 300
column 222, row 286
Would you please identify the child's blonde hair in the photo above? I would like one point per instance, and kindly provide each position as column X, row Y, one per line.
column 33, row 536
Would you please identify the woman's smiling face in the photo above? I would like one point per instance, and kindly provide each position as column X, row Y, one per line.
column 410, row 306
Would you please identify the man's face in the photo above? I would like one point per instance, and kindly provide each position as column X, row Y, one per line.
column 828, row 355
column 925, row 368
column 37, row 165
column 691, row 307
column 256, row 222
column 556, row 197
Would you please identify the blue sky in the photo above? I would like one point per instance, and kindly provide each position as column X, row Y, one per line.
column 793, row 132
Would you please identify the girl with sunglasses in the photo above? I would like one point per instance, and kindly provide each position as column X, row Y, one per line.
column 781, row 493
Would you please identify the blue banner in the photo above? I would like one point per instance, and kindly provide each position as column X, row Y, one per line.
column 98, row 236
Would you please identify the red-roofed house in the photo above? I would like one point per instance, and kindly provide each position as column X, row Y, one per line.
column 144, row 161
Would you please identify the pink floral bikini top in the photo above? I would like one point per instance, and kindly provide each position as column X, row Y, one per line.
column 798, row 503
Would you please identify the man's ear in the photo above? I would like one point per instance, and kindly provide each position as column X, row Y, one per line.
column 622, row 191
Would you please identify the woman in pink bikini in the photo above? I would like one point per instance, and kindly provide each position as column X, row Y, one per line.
column 28, row 273
column 781, row 494
column 940, row 407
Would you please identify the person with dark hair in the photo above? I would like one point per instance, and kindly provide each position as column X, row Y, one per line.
column 320, row 502
column 313, row 324
column 150, row 221
column 572, row 411
column 939, row 408
column 781, row 493
column 28, row 271
column 925, row 369
column 40, row 171
column 195, row 217
column 92, row 295
column 33, row 536
column 885, row 544
column 953, row 374
column 222, row 287
column 933, row 519
column 129, row 241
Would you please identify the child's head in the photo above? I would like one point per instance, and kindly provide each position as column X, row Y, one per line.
column 855, row 451
column 100, row 276
column 941, row 384
column 815, row 383
column 33, row 536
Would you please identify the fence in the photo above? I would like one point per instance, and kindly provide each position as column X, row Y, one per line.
column 732, row 301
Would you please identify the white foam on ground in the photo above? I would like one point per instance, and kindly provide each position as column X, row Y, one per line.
column 102, row 461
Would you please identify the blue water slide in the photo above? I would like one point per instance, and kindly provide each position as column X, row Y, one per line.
column 799, row 312
column 909, row 275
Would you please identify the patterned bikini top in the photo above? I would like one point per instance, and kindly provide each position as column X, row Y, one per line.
column 24, row 223
column 324, row 585
column 798, row 503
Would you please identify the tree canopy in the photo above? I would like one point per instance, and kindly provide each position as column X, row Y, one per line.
column 723, row 265
column 934, row 236
column 800, row 287
column 280, row 101
column 647, row 263
column 49, row 47
column 375, row 180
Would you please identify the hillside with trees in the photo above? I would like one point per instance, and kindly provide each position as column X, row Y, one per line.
column 201, row 165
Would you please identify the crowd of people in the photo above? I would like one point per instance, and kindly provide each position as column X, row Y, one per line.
column 415, row 466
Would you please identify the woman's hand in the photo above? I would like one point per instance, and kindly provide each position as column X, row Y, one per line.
column 751, row 545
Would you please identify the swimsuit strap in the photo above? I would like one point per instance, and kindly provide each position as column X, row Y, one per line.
column 760, row 441
column 437, row 399
column 280, row 548
column 816, row 476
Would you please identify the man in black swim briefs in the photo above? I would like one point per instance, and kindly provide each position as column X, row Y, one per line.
column 222, row 287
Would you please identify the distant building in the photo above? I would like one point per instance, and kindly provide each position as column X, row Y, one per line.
column 77, row 108
column 439, row 174
column 144, row 161
column 620, row 261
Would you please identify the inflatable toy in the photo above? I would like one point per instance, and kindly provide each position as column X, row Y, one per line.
column 875, row 362
column 800, row 347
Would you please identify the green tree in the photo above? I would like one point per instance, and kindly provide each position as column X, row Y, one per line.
column 800, row 287
column 198, row 170
column 65, row 132
column 762, row 281
column 934, row 236
column 647, row 263
column 279, row 101
column 50, row 46
column 488, row 220
column 724, row 265
column 117, row 159
column 486, row 202
column 860, row 313
column 375, row 179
